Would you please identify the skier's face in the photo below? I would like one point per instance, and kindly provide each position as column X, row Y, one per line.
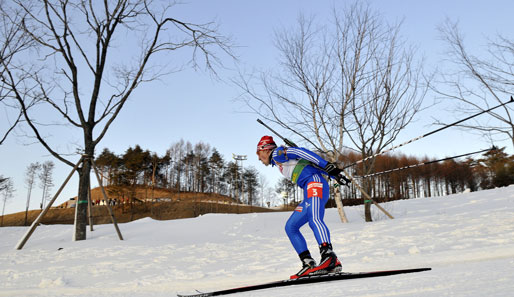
column 264, row 156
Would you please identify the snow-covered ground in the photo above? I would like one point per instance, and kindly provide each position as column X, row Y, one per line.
column 467, row 239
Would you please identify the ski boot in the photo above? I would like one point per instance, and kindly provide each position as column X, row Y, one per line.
column 329, row 262
column 308, row 264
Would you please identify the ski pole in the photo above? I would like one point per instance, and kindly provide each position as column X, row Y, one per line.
column 426, row 163
column 287, row 141
column 429, row 133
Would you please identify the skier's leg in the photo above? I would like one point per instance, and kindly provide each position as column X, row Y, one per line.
column 317, row 194
column 297, row 219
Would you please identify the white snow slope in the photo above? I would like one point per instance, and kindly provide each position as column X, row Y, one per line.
column 467, row 240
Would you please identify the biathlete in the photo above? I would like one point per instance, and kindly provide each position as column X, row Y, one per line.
column 306, row 169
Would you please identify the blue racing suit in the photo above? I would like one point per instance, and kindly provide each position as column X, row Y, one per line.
column 295, row 163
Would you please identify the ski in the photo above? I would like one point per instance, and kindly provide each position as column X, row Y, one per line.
column 307, row 280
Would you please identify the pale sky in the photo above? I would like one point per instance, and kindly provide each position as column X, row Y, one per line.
column 192, row 106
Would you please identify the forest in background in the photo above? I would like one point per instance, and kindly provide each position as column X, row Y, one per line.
column 201, row 168
column 183, row 168
column 492, row 169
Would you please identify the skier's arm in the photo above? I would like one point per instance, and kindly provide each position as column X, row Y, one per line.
column 300, row 153
column 283, row 154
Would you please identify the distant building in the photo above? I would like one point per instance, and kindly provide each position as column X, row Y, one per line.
column 71, row 203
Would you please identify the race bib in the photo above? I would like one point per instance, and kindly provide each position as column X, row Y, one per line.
column 314, row 189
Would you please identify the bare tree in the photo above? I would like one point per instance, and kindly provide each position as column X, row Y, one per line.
column 177, row 152
column 3, row 182
column 475, row 82
column 6, row 192
column 12, row 42
column 30, row 178
column 201, row 152
column 354, row 84
column 83, row 70
column 46, row 181
column 263, row 188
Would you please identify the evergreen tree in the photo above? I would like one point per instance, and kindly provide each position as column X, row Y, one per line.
column 217, row 165
column 231, row 176
column 109, row 165
column 251, row 184
column 498, row 167
column 135, row 163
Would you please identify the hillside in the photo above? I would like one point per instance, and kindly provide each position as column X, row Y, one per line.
column 171, row 205
column 467, row 240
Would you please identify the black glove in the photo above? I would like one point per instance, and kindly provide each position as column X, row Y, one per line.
column 337, row 173
column 342, row 180
column 332, row 169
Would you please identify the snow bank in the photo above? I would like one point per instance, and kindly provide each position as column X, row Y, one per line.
column 468, row 240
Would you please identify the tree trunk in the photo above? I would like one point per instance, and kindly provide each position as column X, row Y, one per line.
column 367, row 211
column 81, row 203
column 339, row 202
column 367, row 203
column 84, row 184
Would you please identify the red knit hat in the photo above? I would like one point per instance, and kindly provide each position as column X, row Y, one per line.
column 266, row 143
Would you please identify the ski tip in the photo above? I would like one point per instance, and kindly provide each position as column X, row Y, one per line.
column 511, row 99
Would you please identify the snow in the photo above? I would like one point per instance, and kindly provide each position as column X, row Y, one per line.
column 467, row 239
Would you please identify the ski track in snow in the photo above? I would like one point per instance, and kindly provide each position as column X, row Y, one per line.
column 467, row 239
